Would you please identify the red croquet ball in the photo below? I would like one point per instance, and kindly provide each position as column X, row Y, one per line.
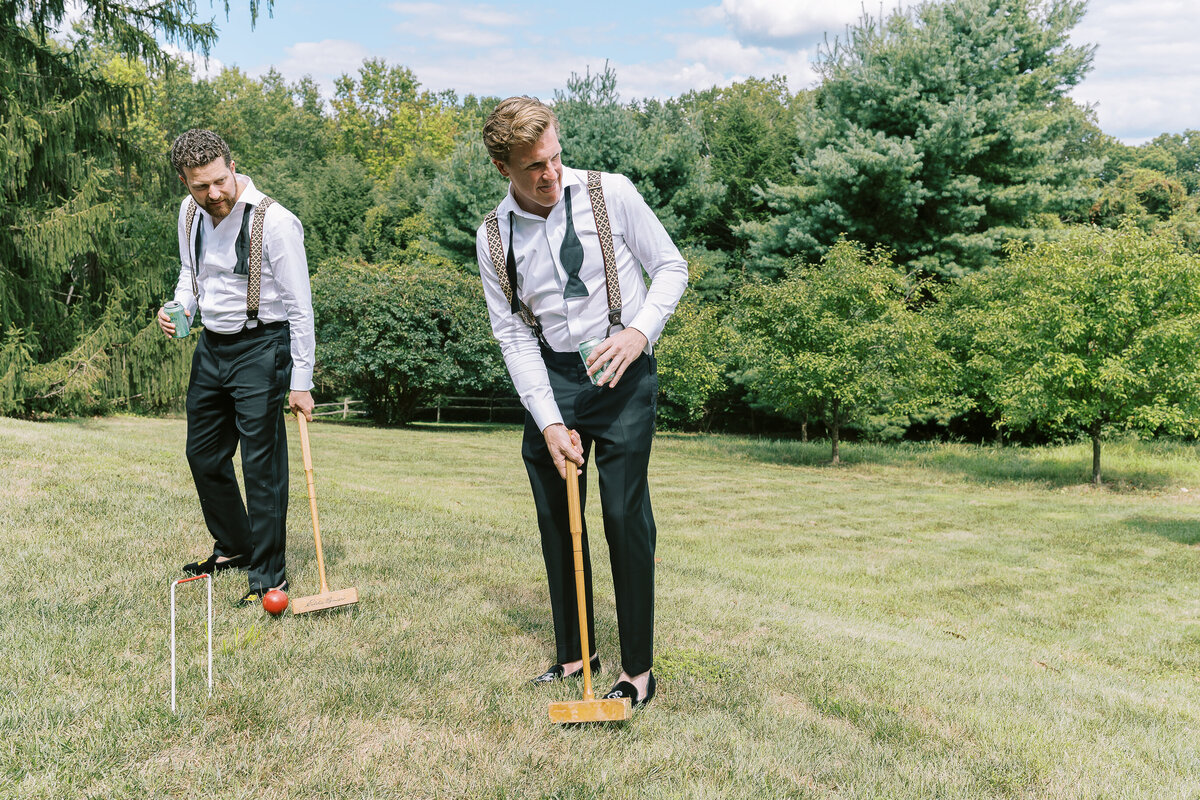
column 275, row 601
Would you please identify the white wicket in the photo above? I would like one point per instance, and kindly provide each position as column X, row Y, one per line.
column 210, row 618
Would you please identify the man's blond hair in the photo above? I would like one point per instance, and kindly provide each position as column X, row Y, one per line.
column 514, row 122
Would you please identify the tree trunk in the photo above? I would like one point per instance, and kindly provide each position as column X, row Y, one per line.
column 804, row 431
column 1096, row 454
column 834, row 425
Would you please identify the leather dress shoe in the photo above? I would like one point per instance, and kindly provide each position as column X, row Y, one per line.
column 212, row 566
column 626, row 689
column 557, row 673
column 255, row 596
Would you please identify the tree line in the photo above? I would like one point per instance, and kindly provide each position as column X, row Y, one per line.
column 935, row 240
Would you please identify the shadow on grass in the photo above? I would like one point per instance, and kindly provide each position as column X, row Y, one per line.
column 1177, row 530
column 1126, row 465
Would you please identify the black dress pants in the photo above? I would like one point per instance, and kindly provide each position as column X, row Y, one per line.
column 235, row 397
column 620, row 423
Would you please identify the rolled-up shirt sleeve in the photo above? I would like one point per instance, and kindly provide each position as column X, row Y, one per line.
column 518, row 344
column 284, row 249
column 650, row 243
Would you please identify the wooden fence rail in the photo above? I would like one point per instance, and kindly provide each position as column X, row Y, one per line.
column 346, row 406
column 489, row 404
column 342, row 407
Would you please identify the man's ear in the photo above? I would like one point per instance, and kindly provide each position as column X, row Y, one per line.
column 500, row 165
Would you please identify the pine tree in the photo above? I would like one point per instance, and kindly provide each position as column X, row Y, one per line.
column 939, row 133
column 80, row 269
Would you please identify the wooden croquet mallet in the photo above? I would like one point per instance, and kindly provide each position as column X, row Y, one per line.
column 589, row 709
column 326, row 598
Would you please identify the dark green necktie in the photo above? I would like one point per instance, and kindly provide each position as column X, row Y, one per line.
column 571, row 255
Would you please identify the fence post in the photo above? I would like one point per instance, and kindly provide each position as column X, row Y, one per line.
column 345, row 406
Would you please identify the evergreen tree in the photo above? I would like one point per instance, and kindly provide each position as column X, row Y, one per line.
column 657, row 146
column 77, row 275
column 939, row 133
column 748, row 132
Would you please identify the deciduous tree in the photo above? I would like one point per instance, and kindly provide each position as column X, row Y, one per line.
column 836, row 340
column 397, row 334
column 1097, row 333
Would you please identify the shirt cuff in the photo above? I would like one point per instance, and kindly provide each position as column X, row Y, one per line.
column 650, row 324
column 302, row 380
column 545, row 413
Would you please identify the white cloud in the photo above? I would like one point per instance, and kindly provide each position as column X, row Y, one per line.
column 784, row 23
column 486, row 16
column 501, row 72
column 330, row 57
column 1146, row 70
column 470, row 37
column 323, row 61
column 724, row 54
column 201, row 67
column 454, row 14
column 716, row 61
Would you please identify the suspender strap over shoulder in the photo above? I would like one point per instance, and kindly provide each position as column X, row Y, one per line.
column 254, row 284
column 506, row 273
column 254, row 257
column 506, row 268
column 604, row 232
column 194, row 250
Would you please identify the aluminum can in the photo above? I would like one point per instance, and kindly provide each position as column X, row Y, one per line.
column 175, row 311
column 585, row 349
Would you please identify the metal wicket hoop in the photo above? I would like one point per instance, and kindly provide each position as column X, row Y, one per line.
column 210, row 617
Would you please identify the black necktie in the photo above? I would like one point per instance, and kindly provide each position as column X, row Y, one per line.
column 241, row 247
column 571, row 255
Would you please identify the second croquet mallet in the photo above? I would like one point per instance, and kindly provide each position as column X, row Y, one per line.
column 324, row 599
column 589, row 709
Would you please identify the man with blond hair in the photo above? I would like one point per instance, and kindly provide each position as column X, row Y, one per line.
column 562, row 260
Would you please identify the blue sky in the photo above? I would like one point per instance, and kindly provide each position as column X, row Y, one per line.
column 1145, row 79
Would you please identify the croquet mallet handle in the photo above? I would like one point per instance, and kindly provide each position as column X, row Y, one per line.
column 312, row 497
column 575, row 519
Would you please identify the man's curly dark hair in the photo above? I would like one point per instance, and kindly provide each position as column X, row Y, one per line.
column 198, row 147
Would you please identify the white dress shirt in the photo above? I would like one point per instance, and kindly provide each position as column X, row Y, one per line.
column 285, row 293
column 640, row 243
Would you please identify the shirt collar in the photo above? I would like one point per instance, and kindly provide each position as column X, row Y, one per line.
column 570, row 177
column 250, row 196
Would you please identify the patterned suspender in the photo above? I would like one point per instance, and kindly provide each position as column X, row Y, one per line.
column 254, row 285
column 499, row 263
column 254, row 266
column 603, row 230
column 187, row 237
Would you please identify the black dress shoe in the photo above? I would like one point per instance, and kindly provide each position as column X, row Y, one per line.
column 212, row 566
column 254, row 596
column 626, row 689
column 556, row 673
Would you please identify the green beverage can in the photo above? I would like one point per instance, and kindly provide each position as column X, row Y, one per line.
column 178, row 316
column 585, row 349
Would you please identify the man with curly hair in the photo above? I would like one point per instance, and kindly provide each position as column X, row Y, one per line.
column 243, row 267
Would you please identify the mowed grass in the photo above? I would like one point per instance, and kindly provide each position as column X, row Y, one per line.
column 934, row 621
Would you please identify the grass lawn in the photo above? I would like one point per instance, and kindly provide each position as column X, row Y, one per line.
column 939, row 621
